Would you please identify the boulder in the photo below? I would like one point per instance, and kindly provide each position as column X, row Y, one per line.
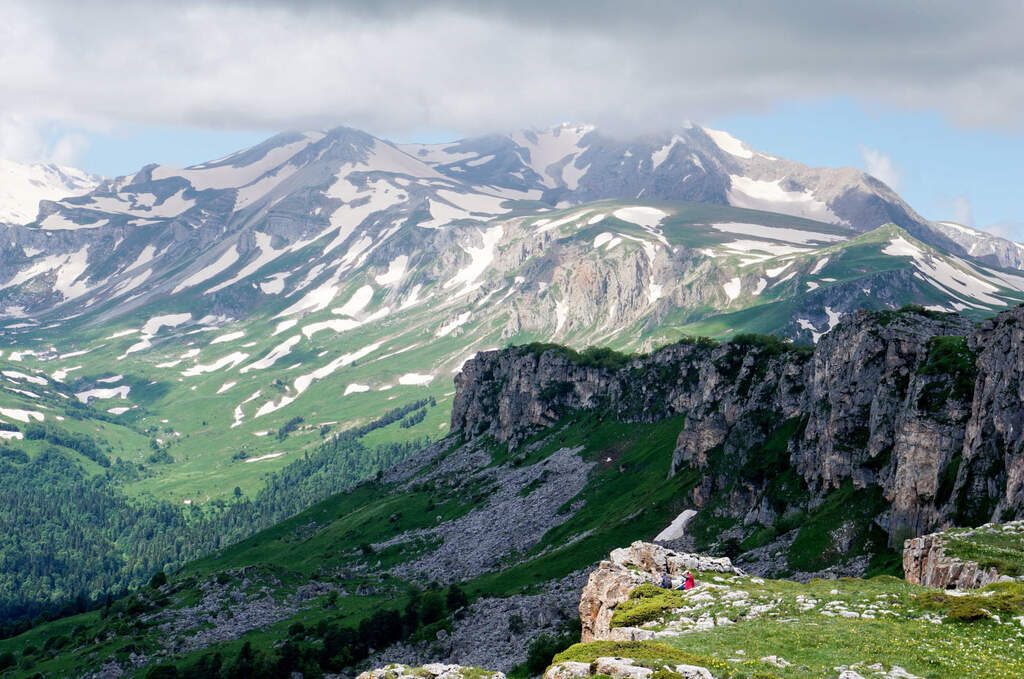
column 926, row 564
column 626, row 568
column 621, row 668
column 568, row 670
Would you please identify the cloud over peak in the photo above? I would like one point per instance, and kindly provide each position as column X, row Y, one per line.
column 399, row 67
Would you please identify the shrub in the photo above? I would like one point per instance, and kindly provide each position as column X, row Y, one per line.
column 646, row 607
column 967, row 610
column 158, row 580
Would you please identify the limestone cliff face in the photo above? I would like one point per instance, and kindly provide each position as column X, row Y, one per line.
column 926, row 563
column 929, row 408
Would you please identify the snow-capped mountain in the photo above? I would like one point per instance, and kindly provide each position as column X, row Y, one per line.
column 345, row 195
column 321, row 275
column 22, row 186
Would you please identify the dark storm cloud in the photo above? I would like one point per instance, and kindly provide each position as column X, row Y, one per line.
column 400, row 67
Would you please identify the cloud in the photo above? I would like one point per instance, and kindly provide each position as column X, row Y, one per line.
column 881, row 166
column 399, row 67
column 962, row 212
column 27, row 140
column 1011, row 230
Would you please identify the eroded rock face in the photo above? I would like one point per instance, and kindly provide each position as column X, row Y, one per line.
column 925, row 563
column 877, row 403
column 626, row 568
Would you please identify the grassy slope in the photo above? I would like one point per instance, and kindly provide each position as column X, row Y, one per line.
column 625, row 499
column 826, row 624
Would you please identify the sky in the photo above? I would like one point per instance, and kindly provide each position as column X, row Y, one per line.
column 926, row 95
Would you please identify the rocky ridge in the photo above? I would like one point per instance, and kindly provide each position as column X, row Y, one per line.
column 925, row 407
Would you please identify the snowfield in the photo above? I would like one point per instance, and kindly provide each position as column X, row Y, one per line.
column 647, row 217
column 775, row 233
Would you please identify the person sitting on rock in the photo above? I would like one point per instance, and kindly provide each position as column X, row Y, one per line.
column 666, row 580
column 688, row 581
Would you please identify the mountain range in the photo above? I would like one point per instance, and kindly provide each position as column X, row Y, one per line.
column 323, row 275
column 192, row 336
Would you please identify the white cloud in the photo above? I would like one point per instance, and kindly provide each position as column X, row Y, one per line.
column 881, row 166
column 962, row 213
column 23, row 139
column 1010, row 230
column 399, row 67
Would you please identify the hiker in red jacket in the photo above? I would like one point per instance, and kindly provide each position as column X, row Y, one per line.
column 688, row 581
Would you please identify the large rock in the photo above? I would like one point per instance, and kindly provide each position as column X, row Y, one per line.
column 626, row 568
column 925, row 563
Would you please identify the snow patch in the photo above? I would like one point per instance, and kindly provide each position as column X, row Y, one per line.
column 360, row 298
column 732, row 288
column 729, row 143
column 395, row 272
column 355, row 389
column 100, row 394
column 229, row 337
column 229, row 361
column 647, row 217
column 415, row 379
column 447, row 328
column 22, row 415
column 777, row 233
column 677, row 528
column 278, row 352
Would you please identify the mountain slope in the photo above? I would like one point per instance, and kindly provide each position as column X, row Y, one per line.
column 558, row 457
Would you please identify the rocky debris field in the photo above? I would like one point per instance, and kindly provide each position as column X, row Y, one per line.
column 429, row 671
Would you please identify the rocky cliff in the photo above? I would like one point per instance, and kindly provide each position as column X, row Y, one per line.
column 911, row 419
column 925, row 563
column 966, row 558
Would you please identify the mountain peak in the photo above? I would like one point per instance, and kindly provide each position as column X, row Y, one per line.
column 23, row 185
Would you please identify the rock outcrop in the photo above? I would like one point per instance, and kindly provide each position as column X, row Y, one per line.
column 933, row 561
column 925, row 563
column 612, row 581
column 927, row 407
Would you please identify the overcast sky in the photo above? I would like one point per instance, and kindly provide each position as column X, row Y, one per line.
column 114, row 85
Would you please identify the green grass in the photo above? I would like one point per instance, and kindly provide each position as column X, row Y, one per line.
column 990, row 548
column 647, row 654
column 927, row 632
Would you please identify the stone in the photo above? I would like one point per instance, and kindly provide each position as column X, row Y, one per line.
column 694, row 672
column 625, row 569
column 925, row 563
column 568, row 670
column 776, row 661
column 621, row 668
column 427, row 671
